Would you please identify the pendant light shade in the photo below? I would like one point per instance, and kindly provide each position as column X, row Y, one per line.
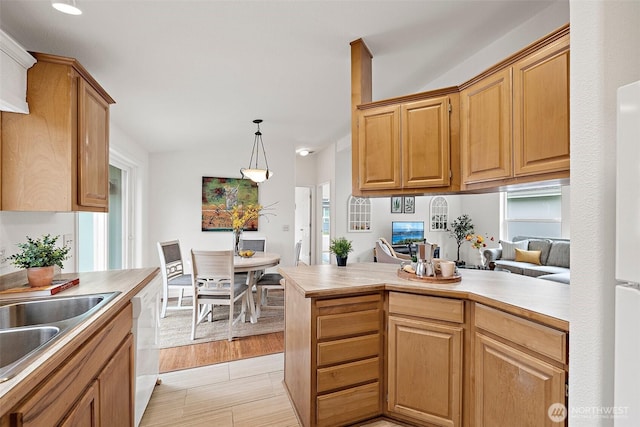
column 253, row 172
column 66, row 6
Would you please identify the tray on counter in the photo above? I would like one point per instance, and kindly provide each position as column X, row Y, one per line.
column 429, row 279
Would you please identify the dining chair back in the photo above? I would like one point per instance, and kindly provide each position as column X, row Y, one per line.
column 256, row 244
column 173, row 276
column 273, row 281
column 214, row 284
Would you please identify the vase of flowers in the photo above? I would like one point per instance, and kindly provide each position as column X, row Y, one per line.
column 39, row 257
column 478, row 242
column 241, row 216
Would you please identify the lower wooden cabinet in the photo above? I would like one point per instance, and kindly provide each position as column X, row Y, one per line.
column 425, row 371
column 334, row 358
column 425, row 359
column 513, row 388
column 116, row 395
column 87, row 411
column 107, row 401
column 519, row 370
column 442, row 362
column 93, row 387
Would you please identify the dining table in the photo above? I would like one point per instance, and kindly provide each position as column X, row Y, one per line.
column 251, row 265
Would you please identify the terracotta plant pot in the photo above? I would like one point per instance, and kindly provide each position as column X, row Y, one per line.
column 40, row 276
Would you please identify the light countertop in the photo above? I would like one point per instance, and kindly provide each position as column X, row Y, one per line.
column 536, row 299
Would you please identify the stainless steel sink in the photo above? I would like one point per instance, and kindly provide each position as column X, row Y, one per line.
column 30, row 326
column 27, row 313
column 16, row 343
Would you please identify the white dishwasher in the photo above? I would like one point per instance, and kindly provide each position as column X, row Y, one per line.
column 146, row 341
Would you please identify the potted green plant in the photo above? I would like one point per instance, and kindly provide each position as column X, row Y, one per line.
column 460, row 229
column 39, row 256
column 341, row 247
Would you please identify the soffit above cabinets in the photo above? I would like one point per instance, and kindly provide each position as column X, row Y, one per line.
column 14, row 63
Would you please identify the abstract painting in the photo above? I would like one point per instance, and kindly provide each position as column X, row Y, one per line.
column 220, row 195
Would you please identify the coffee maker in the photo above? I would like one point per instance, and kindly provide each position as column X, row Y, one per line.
column 426, row 252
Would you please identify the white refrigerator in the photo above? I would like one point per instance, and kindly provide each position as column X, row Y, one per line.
column 627, row 310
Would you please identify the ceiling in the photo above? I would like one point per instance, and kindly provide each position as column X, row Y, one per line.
column 189, row 74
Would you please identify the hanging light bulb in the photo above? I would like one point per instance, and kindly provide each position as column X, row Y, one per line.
column 66, row 6
column 253, row 172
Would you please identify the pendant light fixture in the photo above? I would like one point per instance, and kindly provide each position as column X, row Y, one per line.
column 253, row 172
column 66, row 6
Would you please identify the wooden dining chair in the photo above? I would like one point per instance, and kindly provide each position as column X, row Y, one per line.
column 256, row 244
column 273, row 281
column 215, row 284
column 173, row 275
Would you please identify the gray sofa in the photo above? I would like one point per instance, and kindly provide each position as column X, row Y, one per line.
column 554, row 258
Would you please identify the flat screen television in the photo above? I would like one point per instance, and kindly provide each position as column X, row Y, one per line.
column 405, row 232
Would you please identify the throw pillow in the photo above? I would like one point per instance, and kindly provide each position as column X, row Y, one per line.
column 560, row 254
column 532, row 257
column 542, row 245
column 385, row 248
column 508, row 248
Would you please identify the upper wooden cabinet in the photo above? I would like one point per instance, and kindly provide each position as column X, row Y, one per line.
column 379, row 148
column 508, row 125
column 486, row 129
column 515, row 120
column 404, row 145
column 57, row 157
column 541, row 110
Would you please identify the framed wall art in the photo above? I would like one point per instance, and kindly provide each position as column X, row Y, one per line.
column 220, row 195
column 396, row 204
column 409, row 204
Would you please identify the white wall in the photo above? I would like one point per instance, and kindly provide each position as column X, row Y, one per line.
column 15, row 226
column 605, row 46
column 549, row 19
column 175, row 202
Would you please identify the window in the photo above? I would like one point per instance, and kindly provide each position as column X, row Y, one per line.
column 535, row 212
column 359, row 214
column 439, row 214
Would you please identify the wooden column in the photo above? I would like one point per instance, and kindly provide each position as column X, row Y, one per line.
column 360, row 93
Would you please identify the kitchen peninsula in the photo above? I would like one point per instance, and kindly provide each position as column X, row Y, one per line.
column 362, row 343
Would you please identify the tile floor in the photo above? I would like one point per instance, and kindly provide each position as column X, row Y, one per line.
column 246, row 392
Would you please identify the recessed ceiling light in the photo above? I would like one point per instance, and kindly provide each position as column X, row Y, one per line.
column 304, row 152
column 66, row 6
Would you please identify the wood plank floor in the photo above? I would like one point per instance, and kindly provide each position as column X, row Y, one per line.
column 193, row 356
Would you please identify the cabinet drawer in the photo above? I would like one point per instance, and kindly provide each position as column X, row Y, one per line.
column 345, row 324
column 447, row 309
column 542, row 339
column 351, row 405
column 348, row 374
column 348, row 349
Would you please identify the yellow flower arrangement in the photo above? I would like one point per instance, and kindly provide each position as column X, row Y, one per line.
column 242, row 215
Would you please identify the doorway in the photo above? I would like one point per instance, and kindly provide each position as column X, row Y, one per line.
column 104, row 239
column 303, row 221
column 325, row 229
